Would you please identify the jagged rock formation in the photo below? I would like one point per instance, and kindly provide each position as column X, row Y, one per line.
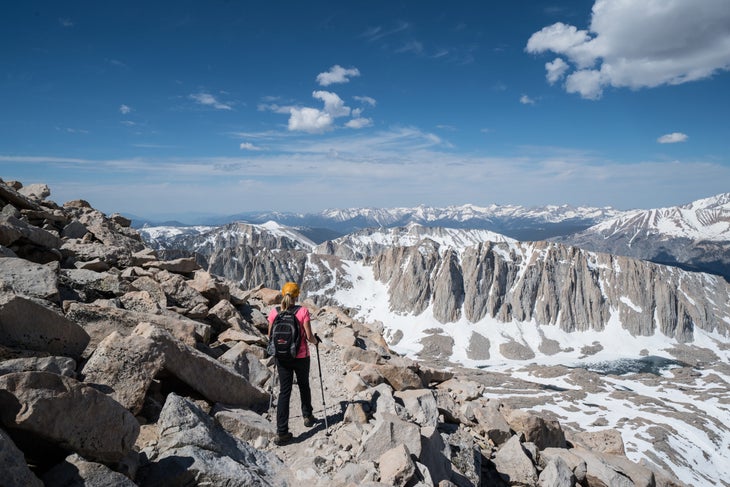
column 160, row 379
column 554, row 285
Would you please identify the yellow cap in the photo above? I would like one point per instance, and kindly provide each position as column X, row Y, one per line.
column 290, row 288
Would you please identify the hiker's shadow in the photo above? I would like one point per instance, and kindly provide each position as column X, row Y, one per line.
column 322, row 425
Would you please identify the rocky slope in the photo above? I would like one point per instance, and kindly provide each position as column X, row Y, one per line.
column 120, row 368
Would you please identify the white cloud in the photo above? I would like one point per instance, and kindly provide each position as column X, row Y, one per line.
column 639, row 45
column 365, row 100
column 672, row 138
column 555, row 70
column 526, row 100
column 209, row 100
column 309, row 120
column 66, row 22
column 333, row 104
column 337, row 74
column 124, row 109
column 358, row 123
column 249, row 146
column 314, row 120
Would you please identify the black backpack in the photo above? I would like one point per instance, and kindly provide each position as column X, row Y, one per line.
column 285, row 335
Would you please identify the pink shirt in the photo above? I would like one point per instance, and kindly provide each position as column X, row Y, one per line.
column 302, row 315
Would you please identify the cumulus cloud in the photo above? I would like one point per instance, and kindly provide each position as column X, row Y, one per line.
column 359, row 122
column 337, row 74
column 526, row 100
column 124, row 109
column 333, row 104
column 672, row 138
column 638, row 45
column 555, row 70
column 209, row 100
column 314, row 120
column 309, row 120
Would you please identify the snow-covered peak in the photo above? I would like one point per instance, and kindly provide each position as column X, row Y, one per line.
column 705, row 219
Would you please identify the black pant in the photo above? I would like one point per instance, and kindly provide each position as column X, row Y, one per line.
column 287, row 369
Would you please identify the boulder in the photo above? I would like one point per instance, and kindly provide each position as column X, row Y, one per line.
column 514, row 465
column 99, row 321
column 57, row 365
column 600, row 471
column 212, row 289
column 180, row 294
column 420, row 405
column 492, row 424
column 16, row 231
column 184, row 265
column 243, row 423
column 576, row 464
column 30, row 325
column 123, row 367
column 388, row 432
column 74, row 229
column 556, row 473
column 400, row 378
column 28, row 278
column 75, row 470
column 194, row 450
column 67, row 413
column 214, row 380
column 604, row 441
column 543, row 432
column 37, row 191
column 396, row 466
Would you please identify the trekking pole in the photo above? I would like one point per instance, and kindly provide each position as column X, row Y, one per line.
column 321, row 384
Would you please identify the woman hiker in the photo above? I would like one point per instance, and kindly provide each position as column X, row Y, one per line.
column 288, row 367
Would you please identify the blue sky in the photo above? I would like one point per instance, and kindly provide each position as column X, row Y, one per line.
column 189, row 107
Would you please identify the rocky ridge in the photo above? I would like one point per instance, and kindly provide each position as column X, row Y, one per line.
column 118, row 367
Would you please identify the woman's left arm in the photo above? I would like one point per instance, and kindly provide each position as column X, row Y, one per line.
column 308, row 331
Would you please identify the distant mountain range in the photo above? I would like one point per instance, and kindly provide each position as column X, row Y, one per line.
column 694, row 237
column 518, row 222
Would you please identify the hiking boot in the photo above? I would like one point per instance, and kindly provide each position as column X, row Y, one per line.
column 281, row 439
column 310, row 421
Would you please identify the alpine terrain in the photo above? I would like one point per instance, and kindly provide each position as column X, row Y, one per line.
column 458, row 297
column 448, row 357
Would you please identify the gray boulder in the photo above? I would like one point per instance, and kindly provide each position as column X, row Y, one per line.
column 194, row 450
column 28, row 278
column 30, row 325
column 514, row 464
column 214, row 380
column 124, row 367
column 57, row 365
column 68, row 414
column 75, row 470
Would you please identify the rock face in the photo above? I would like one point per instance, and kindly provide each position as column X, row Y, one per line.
column 141, row 371
column 554, row 285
